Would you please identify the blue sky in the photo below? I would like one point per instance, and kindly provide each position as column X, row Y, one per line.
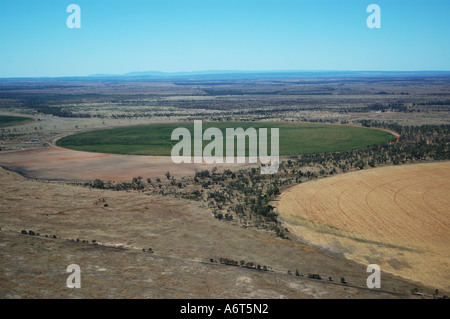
column 120, row 36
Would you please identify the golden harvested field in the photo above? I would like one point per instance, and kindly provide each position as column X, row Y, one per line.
column 396, row 217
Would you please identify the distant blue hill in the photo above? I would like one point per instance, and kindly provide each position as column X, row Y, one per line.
column 236, row 74
column 239, row 74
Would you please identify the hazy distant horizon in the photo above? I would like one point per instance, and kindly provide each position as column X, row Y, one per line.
column 255, row 73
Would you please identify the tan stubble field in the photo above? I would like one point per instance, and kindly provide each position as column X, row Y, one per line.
column 396, row 217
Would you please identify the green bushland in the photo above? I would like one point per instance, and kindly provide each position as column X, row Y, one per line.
column 295, row 138
column 6, row 120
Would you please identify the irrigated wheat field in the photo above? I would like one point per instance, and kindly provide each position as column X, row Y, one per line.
column 396, row 217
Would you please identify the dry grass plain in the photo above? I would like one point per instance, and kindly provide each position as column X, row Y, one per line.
column 183, row 235
column 396, row 217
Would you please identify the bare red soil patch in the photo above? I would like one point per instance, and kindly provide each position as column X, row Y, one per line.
column 57, row 163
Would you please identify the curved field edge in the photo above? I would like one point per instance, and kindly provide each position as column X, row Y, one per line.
column 7, row 120
column 295, row 138
column 396, row 217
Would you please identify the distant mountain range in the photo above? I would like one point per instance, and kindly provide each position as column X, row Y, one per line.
column 267, row 74
column 239, row 74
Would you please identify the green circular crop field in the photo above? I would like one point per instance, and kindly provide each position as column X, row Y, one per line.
column 6, row 120
column 294, row 138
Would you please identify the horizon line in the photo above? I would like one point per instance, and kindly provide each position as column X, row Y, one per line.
column 161, row 74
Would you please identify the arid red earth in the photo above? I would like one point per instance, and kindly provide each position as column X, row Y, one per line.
column 56, row 163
